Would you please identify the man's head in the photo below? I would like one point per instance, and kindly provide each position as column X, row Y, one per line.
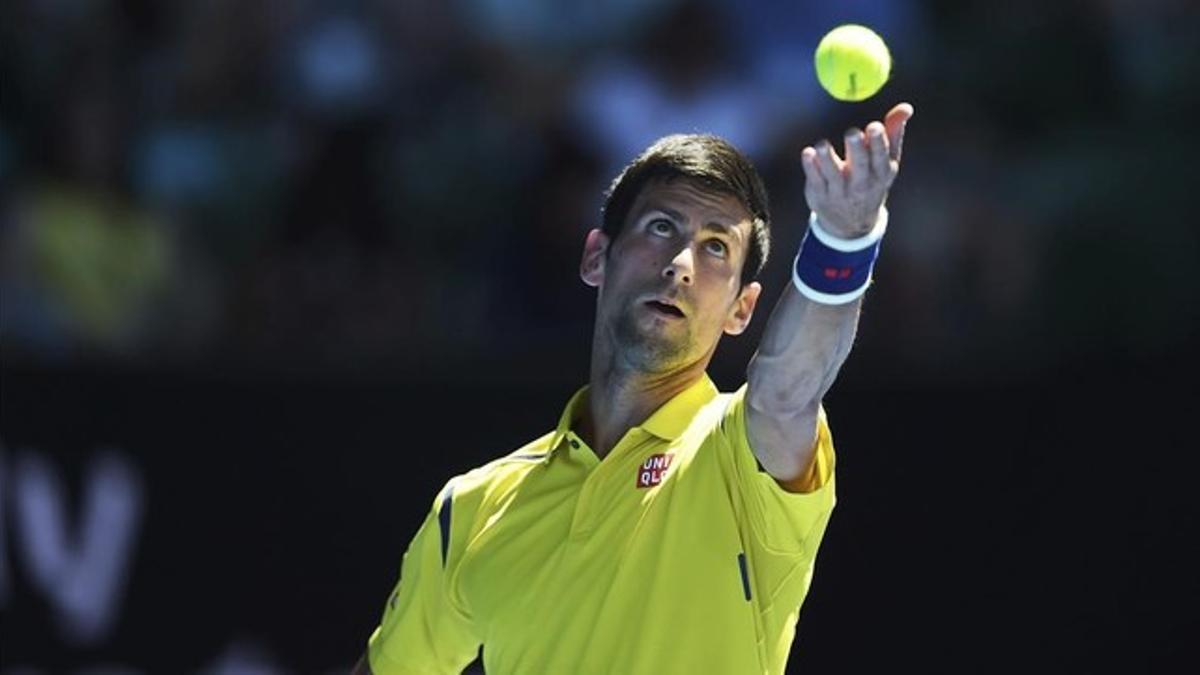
column 685, row 233
column 709, row 161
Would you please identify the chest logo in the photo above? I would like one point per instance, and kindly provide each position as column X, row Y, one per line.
column 654, row 469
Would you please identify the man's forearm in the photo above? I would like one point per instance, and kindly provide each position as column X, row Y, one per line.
column 803, row 348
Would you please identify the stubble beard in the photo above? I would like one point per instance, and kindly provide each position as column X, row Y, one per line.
column 648, row 352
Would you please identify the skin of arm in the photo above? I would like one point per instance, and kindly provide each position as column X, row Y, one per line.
column 805, row 343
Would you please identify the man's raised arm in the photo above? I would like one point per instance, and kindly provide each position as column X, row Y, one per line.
column 811, row 330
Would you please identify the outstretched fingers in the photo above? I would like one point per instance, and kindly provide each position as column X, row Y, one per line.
column 815, row 186
column 831, row 167
column 846, row 193
column 858, row 161
column 878, row 141
column 894, row 122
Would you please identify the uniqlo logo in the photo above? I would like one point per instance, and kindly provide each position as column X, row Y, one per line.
column 653, row 470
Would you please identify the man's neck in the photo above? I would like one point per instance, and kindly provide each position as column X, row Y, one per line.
column 621, row 398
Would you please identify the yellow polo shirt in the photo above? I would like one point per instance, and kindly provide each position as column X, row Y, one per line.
column 673, row 554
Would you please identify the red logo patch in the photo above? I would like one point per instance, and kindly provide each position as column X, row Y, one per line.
column 653, row 470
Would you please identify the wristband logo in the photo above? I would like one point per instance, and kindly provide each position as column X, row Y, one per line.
column 834, row 273
column 653, row 470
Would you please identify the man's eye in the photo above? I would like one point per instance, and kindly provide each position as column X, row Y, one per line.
column 661, row 226
column 716, row 247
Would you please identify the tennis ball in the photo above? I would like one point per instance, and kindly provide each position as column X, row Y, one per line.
column 852, row 62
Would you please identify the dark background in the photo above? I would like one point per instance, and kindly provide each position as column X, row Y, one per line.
column 294, row 264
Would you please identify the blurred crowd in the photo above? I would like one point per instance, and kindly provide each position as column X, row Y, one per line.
column 385, row 184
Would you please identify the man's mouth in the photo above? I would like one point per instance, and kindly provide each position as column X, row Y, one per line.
column 665, row 309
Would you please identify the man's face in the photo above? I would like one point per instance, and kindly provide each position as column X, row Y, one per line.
column 670, row 284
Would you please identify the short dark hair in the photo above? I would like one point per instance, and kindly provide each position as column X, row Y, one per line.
column 712, row 162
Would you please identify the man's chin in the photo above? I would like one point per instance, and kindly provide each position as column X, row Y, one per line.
column 656, row 344
column 653, row 353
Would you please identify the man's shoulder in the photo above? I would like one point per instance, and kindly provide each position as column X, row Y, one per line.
column 502, row 474
column 714, row 415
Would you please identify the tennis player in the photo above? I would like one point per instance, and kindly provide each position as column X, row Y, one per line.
column 662, row 526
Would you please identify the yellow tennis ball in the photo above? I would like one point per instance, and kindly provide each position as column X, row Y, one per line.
column 852, row 62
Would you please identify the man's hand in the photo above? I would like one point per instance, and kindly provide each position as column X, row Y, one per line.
column 847, row 194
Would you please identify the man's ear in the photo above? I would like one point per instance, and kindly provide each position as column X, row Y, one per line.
column 595, row 249
column 743, row 309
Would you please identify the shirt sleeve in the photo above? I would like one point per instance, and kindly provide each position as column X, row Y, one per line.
column 779, row 521
column 422, row 629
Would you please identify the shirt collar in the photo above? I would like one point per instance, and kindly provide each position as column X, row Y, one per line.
column 569, row 414
column 668, row 422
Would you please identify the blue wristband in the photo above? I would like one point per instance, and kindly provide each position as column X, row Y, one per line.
column 835, row 271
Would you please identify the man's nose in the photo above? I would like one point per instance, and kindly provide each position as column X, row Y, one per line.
column 680, row 267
